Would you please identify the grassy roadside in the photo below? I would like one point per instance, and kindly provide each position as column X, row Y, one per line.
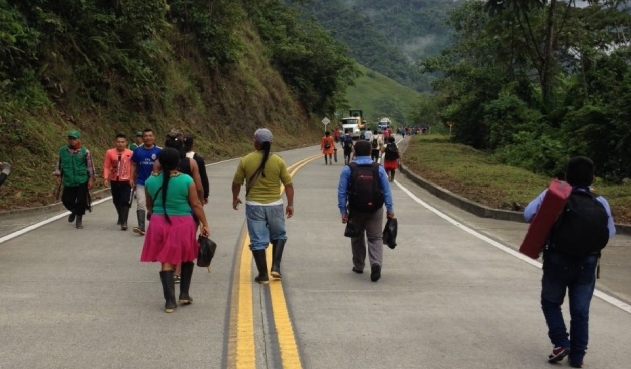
column 477, row 176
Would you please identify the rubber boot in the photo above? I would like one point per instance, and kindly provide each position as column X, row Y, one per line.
column 118, row 211
column 277, row 252
column 79, row 221
column 260, row 258
column 141, row 222
column 124, row 213
column 185, row 282
column 168, row 288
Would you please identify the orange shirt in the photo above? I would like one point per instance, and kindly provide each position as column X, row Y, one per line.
column 115, row 168
column 326, row 139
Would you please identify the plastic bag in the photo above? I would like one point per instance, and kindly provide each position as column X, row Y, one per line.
column 352, row 230
column 390, row 233
column 206, row 251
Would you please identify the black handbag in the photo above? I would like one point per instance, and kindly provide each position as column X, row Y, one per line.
column 206, row 251
column 390, row 233
column 352, row 230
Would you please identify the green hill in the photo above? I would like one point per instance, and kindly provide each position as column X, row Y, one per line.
column 379, row 96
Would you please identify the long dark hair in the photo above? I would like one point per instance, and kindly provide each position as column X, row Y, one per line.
column 169, row 160
column 266, row 147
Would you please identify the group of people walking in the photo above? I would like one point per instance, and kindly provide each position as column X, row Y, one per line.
column 380, row 148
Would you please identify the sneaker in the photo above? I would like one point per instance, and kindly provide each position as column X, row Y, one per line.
column 375, row 272
column 176, row 279
column 558, row 353
column 575, row 364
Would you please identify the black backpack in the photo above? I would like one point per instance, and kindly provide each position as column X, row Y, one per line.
column 582, row 227
column 364, row 192
column 374, row 143
column 392, row 151
column 348, row 144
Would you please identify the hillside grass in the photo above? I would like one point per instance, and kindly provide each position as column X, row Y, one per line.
column 479, row 177
column 222, row 111
column 372, row 88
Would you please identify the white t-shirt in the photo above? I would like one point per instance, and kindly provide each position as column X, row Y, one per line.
column 368, row 135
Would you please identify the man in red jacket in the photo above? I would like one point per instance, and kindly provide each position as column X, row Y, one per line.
column 116, row 174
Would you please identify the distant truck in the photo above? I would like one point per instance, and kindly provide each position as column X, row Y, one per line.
column 353, row 124
column 384, row 123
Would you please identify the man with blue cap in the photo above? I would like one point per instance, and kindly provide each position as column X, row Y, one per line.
column 263, row 174
column 75, row 169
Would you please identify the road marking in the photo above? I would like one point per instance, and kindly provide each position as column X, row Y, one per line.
column 601, row 295
column 241, row 346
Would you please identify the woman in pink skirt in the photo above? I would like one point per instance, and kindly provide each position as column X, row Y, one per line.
column 391, row 158
column 171, row 236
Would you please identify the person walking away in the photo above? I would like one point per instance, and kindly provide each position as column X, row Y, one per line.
column 391, row 158
column 75, row 169
column 201, row 165
column 347, row 145
column 376, row 144
column 336, row 133
column 570, row 260
column 137, row 141
column 362, row 191
column 116, row 174
column 175, row 140
column 368, row 135
column 327, row 146
column 171, row 235
column 5, row 169
column 141, row 167
column 263, row 172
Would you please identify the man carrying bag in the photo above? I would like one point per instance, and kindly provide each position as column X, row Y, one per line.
column 362, row 191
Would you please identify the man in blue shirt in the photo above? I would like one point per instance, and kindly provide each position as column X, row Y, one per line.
column 368, row 221
column 142, row 165
column 576, row 274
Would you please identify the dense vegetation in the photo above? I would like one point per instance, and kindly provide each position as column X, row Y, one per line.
column 537, row 83
column 217, row 68
column 387, row 36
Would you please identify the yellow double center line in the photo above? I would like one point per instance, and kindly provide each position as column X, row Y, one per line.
column 241, row 346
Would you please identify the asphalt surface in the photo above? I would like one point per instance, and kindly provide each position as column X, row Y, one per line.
column 448, row 298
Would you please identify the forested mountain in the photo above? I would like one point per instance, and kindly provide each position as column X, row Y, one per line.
column 387, row 36
column 216, row 68
column 537, row 83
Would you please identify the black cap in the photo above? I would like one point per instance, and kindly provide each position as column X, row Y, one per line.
column 188, row 138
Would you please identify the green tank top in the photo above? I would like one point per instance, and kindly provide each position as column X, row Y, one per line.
column 177, row 194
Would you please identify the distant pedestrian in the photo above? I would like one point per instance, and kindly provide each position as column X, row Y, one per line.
column 336, row 133
column 327, row 146
column 368, row 135
column 6, row 170
column 75, row 169
column 263, row 173
column 347, row 145
column 376, row 144
column 362, row 191
column 142, row 165
column 137, row 141
column 391, row 158
column 570, row 260
column 171, row 235
column 116, row 174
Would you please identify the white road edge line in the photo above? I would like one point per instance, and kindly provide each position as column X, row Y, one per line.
column 59, row 216
column 601, row 295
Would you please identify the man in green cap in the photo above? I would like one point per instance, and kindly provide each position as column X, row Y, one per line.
column 76, row 170
column 138, row 139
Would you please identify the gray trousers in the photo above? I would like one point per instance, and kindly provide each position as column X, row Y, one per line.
column 372, row 224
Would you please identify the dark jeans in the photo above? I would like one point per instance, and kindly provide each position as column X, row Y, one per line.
column 121, row 192
column 75, row 199
column 578, row 277
column 374, row 154
column 347, row 156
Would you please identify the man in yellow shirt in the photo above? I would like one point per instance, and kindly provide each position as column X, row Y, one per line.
column 263, row 173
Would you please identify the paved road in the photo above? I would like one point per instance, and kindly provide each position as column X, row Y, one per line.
column 448, row 298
